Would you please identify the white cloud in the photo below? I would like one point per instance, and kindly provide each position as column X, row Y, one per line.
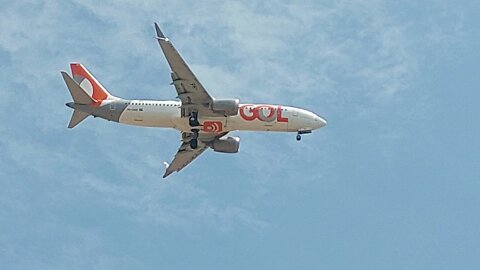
column 348, row 58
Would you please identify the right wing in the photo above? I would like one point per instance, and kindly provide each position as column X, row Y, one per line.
column 186, row 154
column 190, row 91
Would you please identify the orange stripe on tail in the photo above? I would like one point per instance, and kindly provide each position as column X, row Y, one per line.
column 92, row 86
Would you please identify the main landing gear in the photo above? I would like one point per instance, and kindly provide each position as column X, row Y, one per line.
column 193, row 122
column 193, row 119
column 300, row 132
column 194, row 140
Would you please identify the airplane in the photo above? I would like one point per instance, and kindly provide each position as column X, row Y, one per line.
column 202, row 120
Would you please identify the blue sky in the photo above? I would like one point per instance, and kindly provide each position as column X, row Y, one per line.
column 391, row 183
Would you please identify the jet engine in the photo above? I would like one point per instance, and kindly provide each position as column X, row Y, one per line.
column 226, row 145
column 225, row 106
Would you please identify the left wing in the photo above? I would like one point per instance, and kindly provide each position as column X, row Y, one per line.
column 189, row 89
column 186, row 154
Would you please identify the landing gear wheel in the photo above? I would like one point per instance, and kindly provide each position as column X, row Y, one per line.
column 194, row 140
column 299, row 137
column 193, row 143
column 193, row 119
column 195, row 133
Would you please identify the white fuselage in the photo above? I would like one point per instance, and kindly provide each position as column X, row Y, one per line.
column 254, row 117
column 203, row 120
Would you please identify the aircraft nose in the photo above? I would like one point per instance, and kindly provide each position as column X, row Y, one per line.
column 320, row 122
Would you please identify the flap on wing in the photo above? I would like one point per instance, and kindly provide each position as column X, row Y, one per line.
column 189, row 89
column 186, row 154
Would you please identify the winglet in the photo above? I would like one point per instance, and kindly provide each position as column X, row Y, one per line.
column 159, row 32
column 167, row 172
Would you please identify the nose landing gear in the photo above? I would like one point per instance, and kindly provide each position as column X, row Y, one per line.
column 302, row 131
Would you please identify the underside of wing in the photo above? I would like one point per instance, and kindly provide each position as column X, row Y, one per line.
column 189, row 89
column 195, row 98
column 183, row 157
column 186, row 154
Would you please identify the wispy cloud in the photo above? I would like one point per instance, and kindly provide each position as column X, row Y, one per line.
column 351, row 61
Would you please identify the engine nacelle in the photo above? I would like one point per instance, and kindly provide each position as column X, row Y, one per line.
column 225, row 106
column 226, row 145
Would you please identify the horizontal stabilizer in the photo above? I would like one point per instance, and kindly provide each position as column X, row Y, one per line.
column 77, row 117
column 78, row 94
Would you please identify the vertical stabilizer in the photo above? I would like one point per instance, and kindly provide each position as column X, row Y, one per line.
column 89, row 83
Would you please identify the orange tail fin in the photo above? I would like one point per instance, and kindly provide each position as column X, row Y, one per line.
column 88, row 83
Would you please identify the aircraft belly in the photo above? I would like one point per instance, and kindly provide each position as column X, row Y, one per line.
column 166, row 117
column 207, row 124
column 147, row 117
column 237, row 123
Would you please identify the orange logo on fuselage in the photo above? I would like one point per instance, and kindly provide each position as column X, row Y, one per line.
column 212, row 126
column 265, row 113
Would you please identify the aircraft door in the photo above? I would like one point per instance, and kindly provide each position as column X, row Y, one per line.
column 292, row 124
column 112, row 108
column 138, row 113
